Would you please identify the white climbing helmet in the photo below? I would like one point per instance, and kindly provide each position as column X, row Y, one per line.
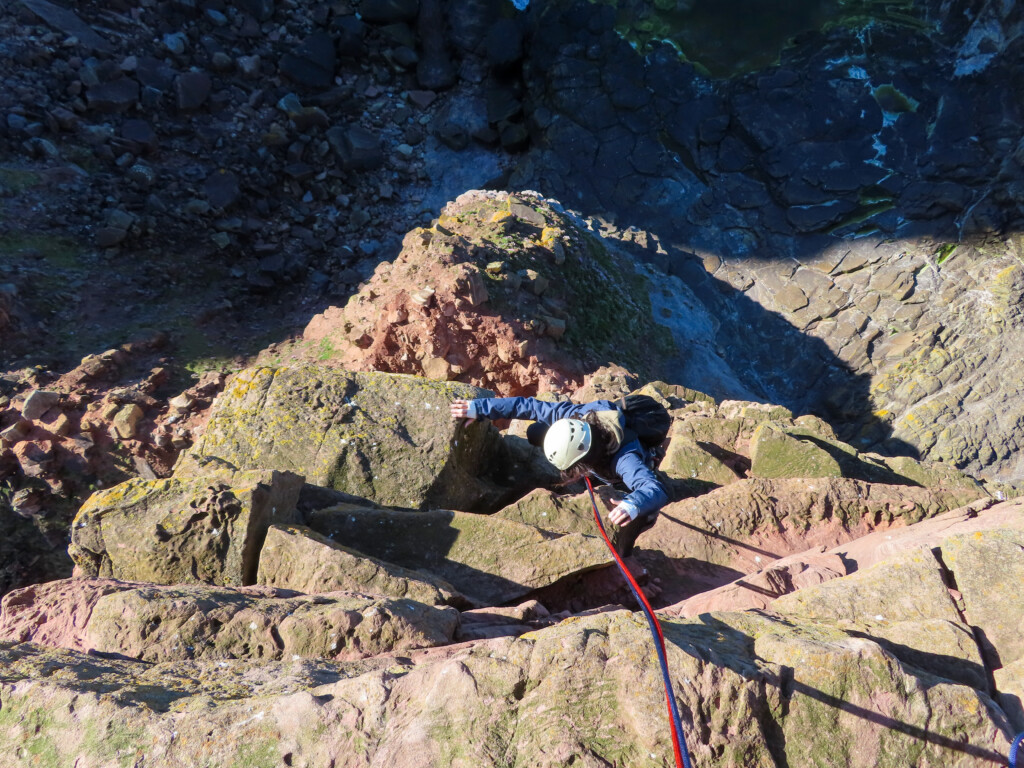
column 566, row 442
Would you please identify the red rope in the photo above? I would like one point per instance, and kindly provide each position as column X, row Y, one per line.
column 682, row 758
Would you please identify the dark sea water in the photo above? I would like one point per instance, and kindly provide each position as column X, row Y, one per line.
column 728, row 37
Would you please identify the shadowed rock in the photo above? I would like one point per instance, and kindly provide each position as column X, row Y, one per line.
column 296, row 557
column 488, row 559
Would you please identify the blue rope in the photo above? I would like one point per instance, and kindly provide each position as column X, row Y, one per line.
column 1018, row 740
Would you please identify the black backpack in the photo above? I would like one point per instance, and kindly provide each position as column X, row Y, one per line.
column 647, row 418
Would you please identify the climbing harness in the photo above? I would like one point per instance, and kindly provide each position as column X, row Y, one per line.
column 678, row 740
column 1013, row 750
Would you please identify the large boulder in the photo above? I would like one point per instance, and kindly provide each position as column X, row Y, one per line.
column 488, row 559
column 161, row 623
column 385, row 437
column 712, row 444
column 297, row 557
column 205, row 528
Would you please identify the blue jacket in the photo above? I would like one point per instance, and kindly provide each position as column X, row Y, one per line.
column 647, row 495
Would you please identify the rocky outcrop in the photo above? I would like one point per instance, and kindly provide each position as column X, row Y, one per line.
column 582, row 691
column 504, row 291
column 488, row 559
column 878, row 640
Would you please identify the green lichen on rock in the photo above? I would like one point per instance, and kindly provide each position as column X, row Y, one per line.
column 777, row 453
column 384, row 437
column 152, row 623
column 205, row 528
column 988, row 567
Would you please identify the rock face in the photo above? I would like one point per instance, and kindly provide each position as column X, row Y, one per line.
column 863, row 268
column 582, row 691
column 386, row 438
column 882, row 633
column 176, row 531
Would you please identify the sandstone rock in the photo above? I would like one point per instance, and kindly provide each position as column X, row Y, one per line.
column 579, row 692
column 747, row 524
column 775, row 453
column 38, row 402
column 1010, row 684
column 488, row 559
column 296, row 557
column 604, row 305
column 126, row 421
column 383, row 437
column 164, row 623
column 207, row 528
column 759, row 590
column 988, row 567
column 560, row 513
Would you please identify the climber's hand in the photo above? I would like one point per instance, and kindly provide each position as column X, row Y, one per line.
column 460, row 410
column 619, row 515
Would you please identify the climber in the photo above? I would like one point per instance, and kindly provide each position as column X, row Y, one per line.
column 588, row 439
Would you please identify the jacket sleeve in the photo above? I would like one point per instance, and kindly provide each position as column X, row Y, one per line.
column 647, row 494
column 531, row 408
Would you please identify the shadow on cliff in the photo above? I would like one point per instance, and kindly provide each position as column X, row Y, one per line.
column 773, row 167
